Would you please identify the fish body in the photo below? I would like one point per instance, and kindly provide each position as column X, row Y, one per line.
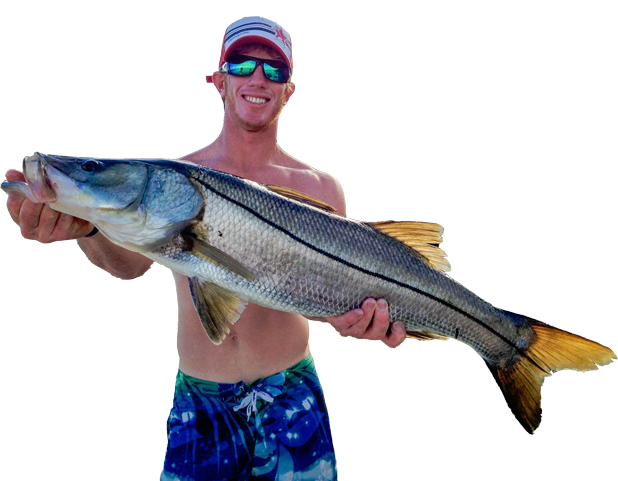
column 310, row 262
column 238, row 241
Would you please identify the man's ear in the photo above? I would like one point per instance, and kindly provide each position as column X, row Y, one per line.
column 218, row 79
column 290, row 88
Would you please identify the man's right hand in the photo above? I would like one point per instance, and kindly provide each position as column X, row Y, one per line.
column 39, row 221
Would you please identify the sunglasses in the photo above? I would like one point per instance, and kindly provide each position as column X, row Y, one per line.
column 243, row 66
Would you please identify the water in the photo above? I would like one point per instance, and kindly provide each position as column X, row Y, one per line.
column 417, row 412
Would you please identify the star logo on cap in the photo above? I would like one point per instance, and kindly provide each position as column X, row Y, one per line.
column 280, row 34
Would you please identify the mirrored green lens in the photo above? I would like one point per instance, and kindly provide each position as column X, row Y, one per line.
column 243, row 69
column 275, row 74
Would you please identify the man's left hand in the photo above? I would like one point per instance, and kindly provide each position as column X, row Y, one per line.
column 370, row 321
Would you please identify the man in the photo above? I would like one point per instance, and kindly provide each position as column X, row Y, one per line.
column 252, row 406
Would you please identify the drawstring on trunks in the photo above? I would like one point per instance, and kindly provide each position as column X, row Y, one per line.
column 250, row 401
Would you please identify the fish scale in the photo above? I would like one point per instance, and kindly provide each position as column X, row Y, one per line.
column 239, row 241
column 259, row 226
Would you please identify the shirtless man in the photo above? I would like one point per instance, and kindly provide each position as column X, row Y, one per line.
column 252, row 406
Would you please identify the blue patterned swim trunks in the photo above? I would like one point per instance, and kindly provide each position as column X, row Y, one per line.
column 275, row 428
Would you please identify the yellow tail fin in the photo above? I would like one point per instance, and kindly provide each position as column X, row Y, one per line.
column 551, row 351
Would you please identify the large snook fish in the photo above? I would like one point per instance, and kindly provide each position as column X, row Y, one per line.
column 240, row 241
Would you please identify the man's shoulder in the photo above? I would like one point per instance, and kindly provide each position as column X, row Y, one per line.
column 304, row 169
column 318, row 184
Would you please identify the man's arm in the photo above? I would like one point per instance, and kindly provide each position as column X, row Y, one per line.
column 117, row 261
column 41, row 223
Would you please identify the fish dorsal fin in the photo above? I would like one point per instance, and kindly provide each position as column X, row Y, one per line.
column 217, row 308
column 204, row 249
column 424, row 336
column 295, row 195
column 423, row 237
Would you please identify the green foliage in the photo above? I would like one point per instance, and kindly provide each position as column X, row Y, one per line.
column 158, row 128
column 302, row 131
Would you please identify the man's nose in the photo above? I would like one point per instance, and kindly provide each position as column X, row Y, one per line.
column 258, row 75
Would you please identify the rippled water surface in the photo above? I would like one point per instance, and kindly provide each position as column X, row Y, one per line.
column 417, row 412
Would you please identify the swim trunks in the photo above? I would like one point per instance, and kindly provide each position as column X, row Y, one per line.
column 273, row 428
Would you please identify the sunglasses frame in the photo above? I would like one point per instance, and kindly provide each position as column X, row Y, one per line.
column 239, row 59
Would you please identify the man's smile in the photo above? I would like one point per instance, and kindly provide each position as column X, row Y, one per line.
column 255, row 100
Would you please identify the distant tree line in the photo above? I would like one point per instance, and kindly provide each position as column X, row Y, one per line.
column 528, row 207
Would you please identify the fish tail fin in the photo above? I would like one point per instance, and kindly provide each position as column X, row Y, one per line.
column 552, row 350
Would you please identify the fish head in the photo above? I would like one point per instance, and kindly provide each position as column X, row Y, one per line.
column 83, row 187
column 137, row 204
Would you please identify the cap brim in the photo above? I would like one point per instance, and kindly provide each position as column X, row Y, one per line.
column 256, row 40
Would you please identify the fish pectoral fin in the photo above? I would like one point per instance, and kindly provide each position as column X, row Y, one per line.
column 216, row 307
column 551, row 350
column 217, row 255
column 295, row 195
column 422, row 237
column 425, row 336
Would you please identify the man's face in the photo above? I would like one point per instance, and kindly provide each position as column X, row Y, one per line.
column 254, row 101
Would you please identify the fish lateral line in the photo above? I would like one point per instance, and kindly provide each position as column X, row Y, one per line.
column 518, row 349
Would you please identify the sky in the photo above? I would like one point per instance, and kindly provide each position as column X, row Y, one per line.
column 62, row 78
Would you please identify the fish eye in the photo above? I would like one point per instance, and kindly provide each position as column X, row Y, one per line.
column 91, row 166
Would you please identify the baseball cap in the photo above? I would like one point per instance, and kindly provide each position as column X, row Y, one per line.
column 256, row 30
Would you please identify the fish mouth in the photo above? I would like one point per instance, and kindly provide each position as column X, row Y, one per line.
column 36, row 176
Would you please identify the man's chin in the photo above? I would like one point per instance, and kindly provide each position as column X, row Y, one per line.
column 253, row 122
column 257, row 125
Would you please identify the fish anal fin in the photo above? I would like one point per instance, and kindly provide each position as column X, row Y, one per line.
column 423, row 237
column 296, row 195
column 425, row 336
column 552, row 350
column 216, row 307
column 211, row 253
